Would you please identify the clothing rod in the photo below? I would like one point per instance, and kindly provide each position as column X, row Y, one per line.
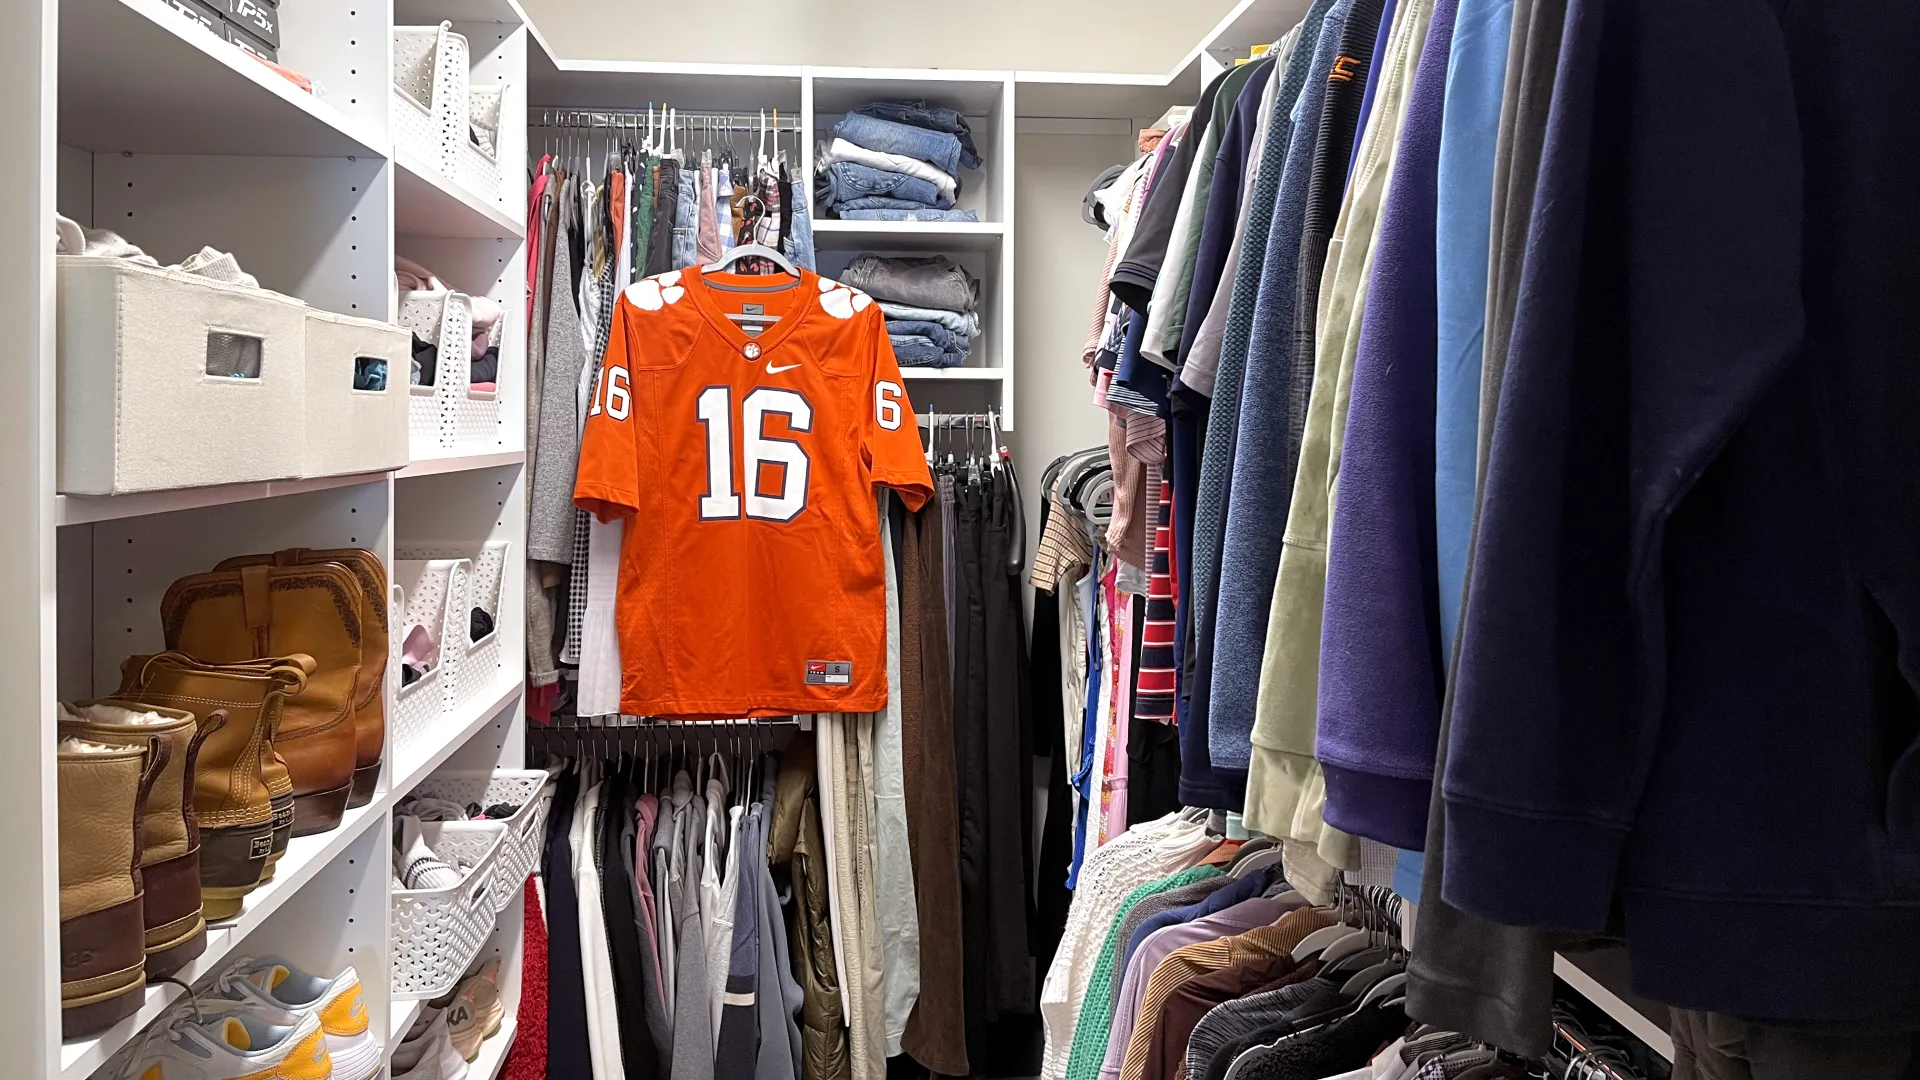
column 1585, row 1056
column 654, row 723
column 748, row 123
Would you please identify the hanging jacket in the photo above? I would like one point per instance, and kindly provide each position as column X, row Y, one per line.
column 1687, row 685
column 796, row 844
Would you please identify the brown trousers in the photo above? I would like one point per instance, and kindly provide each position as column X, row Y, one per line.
column 936, row 1034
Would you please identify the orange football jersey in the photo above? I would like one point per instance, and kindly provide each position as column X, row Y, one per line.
column 751, row 574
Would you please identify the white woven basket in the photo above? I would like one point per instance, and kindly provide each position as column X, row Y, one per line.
column 476, row 667
column 430, row 100
column 526, row 829
column 427, row 592
column 438, row 932
column 445, row 318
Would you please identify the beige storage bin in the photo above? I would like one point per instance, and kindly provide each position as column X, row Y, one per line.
column 349, row 430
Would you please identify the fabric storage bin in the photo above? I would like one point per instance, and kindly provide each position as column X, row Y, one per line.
column 438, row 932
column 531, row 789
column 171, row 380
column 350, row 430
column 476, row 664
column 430, row 93
column 445, row 318
column 427, row 592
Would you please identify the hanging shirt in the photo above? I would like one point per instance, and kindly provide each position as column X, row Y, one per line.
column 752, row 581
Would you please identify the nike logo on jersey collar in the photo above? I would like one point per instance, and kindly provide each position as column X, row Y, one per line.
column 771, row 370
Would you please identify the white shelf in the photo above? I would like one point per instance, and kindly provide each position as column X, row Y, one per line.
column 429, row 12
column 1611, row 1003
column 435, row 466
column 426, row 202
column 954, row 374
column 832, row 234
column 141, row 77
column 86, row 509
column 493, row 1052
column 401, row 1014
column 306, row 856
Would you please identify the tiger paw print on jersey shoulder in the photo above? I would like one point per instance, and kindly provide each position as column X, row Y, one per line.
column 842, row 301
column 656, row 292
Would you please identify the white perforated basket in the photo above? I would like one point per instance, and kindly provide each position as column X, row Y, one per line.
column 430, row 103
column 438, row 932
column 477, row 669
column 427, row 592
column 531, row 790
column 446, row 319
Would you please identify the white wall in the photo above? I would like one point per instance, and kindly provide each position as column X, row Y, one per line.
column 1057, row 265
column 1133, row 36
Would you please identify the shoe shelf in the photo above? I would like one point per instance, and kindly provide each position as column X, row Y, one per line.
column 306, row 858
column 493, row 1052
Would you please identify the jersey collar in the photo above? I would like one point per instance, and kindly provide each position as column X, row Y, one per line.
column 806, row 292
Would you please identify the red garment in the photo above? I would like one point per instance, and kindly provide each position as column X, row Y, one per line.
column 527, row 1059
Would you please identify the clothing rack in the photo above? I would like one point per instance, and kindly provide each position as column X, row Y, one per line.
column 1586, row 1060
column 744, row 123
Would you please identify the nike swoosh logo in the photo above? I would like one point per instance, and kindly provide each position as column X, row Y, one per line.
column 771, row 370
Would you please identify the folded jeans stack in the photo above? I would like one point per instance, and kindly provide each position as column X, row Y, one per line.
column 931, row 306
column 896, row 161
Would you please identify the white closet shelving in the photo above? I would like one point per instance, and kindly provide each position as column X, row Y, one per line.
column 129, row 116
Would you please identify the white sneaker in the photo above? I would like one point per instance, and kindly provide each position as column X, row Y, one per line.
column 239, row 1046
column 429, row 1055
column 477, row 1011
column 281, row 994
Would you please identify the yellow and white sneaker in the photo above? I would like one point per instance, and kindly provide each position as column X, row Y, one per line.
column 282, row 994
column 238, row 1046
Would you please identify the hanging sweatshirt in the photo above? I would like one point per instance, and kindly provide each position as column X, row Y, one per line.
column 1380, row 660
column 1687, row 675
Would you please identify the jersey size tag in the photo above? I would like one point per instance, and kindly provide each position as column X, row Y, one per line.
column 829, row 673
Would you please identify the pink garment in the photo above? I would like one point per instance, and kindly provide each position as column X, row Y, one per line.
column 534, row 195
column 1113, row 788
column 644, row 811
column 710, row 248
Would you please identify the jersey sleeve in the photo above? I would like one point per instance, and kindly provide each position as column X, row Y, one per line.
column 891, row 444
column 607, row 484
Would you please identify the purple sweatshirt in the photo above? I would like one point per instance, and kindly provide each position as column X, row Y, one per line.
column 1381, row 668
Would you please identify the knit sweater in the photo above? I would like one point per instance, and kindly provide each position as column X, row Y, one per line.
column 1090, row 1030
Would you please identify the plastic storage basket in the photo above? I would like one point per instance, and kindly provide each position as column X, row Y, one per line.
column 446, row 319
column 531, row 790
column 436, row 113
column 438, row 932
column 475, row 671
column 426, row 592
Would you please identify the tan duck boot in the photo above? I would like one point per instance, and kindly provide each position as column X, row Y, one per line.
column 102, row 935
column 240, row 616
column 176, row 929
column 242, row 794
column 369, row 701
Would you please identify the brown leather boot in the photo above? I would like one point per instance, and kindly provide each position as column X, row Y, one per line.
column 369, row 704
column 102, row 953
column 238, row 616
column 176, row 930
column 243, row 818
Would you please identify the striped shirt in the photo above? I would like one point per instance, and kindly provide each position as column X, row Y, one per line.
column 1154, row 696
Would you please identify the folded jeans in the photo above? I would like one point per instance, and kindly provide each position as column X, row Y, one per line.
column 911, row 350
column 841, row 150
column 845, row 181
column 960, row 322
column 877, row 213
column 932, row 331
column 918, row 114
column 936, row 148
column 934, row 281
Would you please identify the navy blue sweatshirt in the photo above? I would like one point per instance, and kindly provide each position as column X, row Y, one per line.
column 1687, row 673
